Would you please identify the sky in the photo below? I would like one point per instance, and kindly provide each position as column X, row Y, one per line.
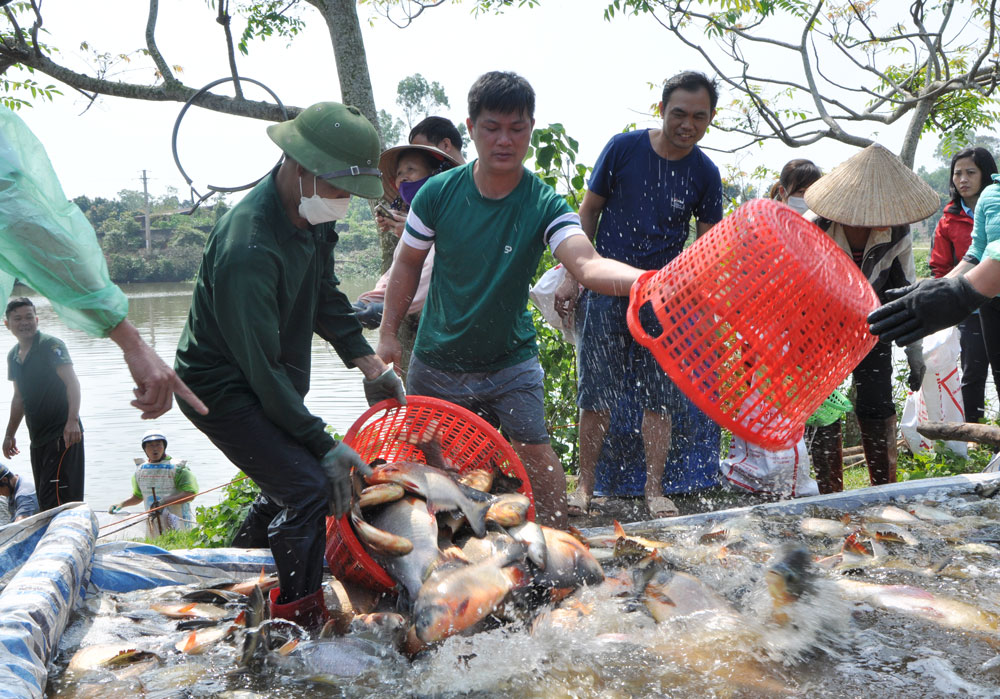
column 591, row 75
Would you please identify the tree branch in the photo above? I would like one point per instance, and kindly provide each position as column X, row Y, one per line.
column 225, row 20
column 154, row 52
column 173, row 92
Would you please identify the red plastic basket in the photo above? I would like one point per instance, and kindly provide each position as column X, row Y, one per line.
column 467, row 441
column 760, row 319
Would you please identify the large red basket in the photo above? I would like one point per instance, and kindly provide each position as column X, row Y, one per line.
column 467, row 441
column 760, row 319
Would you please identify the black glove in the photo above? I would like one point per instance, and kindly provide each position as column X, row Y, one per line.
column 337, row 464
column 916, row 377
column 924, row 308
column 385, row 385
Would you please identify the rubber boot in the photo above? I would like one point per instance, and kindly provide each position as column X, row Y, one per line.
column 310, row 612
column 827, row 452
column 879, row 439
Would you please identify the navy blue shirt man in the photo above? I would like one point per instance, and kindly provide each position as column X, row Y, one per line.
column 645, row 188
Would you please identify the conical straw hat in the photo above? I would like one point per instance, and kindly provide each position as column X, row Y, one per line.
column 872, row 189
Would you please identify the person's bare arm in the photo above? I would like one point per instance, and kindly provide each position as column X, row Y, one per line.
column 701, row 228
column 963, row 267
column 398, row 295
column 590, row 214
column 13, row 422
column 603, row 275
column 155, row 381
column 71, row 432
column 985, row 277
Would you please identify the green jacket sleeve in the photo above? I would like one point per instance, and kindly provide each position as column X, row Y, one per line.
column 46, row 240
column 336, row 322
column 246, row 309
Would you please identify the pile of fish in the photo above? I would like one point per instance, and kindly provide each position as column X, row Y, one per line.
column 892, row 600
column 459, row 546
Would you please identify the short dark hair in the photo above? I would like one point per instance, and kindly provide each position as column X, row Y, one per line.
column 435, row 129
column 983, row 160
column 503, row 92
column 691, row 81
column 17, row 303
column 794, row 176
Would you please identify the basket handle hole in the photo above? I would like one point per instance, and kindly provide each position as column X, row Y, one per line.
column 650, row 323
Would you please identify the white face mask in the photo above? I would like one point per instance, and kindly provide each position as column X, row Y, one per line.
column 798, row 203
column 317, row 209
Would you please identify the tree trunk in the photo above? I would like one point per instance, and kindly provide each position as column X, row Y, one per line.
column 961, row 432
column 908, row 153
column 352, row 71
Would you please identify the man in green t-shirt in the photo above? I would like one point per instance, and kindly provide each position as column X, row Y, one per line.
column 47, row 396
column 489, row 222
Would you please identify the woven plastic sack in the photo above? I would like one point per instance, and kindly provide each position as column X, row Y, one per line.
column 783, row 473
column 543, row 295
column 46, row 241
column 940, row 396
column 757, row 322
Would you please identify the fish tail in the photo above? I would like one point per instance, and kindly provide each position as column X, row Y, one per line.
column 475, row 513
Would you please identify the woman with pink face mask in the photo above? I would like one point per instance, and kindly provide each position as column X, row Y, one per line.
column 405, row 169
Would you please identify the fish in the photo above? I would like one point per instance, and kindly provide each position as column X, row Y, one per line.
column 568, row 563
column 531, row 536
column 378, row 540
column 212, row 595
column 437, row 488
column 107, row 656
column 428, row 441
column 383, row 627
column 890, row 514
column 189, row 610
column 451, row 603
column 198, row 642
column 789, row 579
column 409, row 519
column 338, row 657
column 496, row 542
column 509, row 509
column 667, row 593
column 883, row 531
column 245, row 587
column 477, row 479
column 915, row 601
column 813, row 526
column 380, row 494
column 929, row 514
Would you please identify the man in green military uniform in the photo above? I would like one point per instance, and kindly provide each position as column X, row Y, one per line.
column 266, row 284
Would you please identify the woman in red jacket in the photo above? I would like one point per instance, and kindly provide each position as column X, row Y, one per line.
column 970, row 174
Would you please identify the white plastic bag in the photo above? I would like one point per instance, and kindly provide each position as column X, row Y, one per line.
column 940, row 396
column 784, row 473
column 543, row 295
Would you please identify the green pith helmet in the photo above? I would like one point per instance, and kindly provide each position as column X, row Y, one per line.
column 336, row 143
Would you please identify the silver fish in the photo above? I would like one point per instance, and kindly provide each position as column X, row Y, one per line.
column 410, row 519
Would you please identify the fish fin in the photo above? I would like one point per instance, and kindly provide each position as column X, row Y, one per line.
column 191, row 642
column 619, row 529
column 241, row 619
column 288, row 647
column 186, row 608
column 475, row 514
column 578, row 535
column 262, row 577
column 517, row 575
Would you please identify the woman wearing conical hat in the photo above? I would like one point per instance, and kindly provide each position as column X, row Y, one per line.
column 866, row 205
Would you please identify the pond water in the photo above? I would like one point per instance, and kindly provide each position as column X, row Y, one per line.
column 113, row 428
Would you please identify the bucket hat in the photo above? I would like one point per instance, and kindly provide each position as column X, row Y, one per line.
column 336, row 143
column 389, row 159
column 872, row 189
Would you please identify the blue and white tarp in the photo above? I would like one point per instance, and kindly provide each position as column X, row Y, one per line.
column 37, row 601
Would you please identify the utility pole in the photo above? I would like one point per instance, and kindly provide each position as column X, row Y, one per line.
column 145, row 191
